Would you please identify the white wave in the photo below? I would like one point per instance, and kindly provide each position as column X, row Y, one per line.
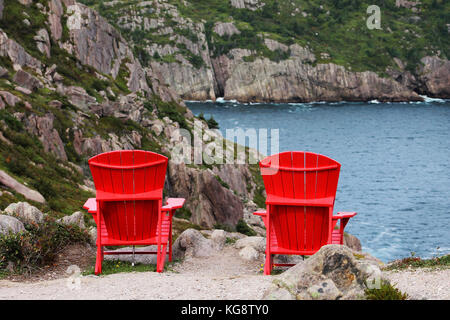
column 429, row 99
column 375, row 101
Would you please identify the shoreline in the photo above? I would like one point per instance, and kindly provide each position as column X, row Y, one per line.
column 221, row 100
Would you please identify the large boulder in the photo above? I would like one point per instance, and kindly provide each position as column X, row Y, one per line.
column 25, row 212
column 251, row 248
column 77, row 219
column 257, row 243
column 10, row 224
column 191, row 243
column 334, row 272
column 352, row 242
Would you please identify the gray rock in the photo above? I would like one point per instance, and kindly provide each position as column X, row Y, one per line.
column 43, row 41
column 3, row 72
column 10, row 182
column 77, row 218
column 9, row 98
column 23, row 90
column 26, row 80
column 25, row 212
column 10, row 224
column 249, row 253
column 334, row 272
column 352, row 242
column 93, row 234
column 324, row 290
column 191, row 243
column 219, row 238
column 257, row 243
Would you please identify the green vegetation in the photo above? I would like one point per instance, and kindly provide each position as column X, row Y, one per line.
column 258, row 197
column 416, row 262
column 385, row 292
column 117, row 266
column 39, row 246
column 337, row 28
column 223, row 183
column 183, row 213
column 244, row 228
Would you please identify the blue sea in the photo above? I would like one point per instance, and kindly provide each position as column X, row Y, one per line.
column 395, row 161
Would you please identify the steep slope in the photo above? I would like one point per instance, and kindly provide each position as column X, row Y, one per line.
column 290, row 50
column 70, row 88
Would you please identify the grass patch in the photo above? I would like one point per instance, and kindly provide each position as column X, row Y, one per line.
column 416, row 262
column 118, row 266
column 386, row 292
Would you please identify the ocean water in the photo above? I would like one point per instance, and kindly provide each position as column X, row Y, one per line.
column 395, row 161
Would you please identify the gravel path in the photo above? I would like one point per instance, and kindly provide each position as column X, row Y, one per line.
column 222, row 276
column 433, row 284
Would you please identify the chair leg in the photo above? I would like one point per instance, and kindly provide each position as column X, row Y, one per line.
column 161, row 257
column 268, row 265
column 98, row 260
column 170, row 243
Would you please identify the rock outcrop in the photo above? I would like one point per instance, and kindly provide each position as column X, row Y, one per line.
column 10, row 182
column 334, row 272
column 184, row 54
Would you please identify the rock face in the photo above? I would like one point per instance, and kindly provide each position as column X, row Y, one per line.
column 212, row 202
column 244, row 75
column 48, row 135
column 435, row 77
column 10, row 224
column 25, row 212
column 10, row 182
column 334, row 272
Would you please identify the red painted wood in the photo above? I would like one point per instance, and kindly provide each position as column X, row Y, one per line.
column 127, row 207
column 301, row 190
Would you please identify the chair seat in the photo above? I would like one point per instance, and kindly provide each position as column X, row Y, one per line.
column 107, row 241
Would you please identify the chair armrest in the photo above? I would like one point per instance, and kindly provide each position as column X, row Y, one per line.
column 343, row 215
column 261, row 213
column 91, row 205
column 173, row 203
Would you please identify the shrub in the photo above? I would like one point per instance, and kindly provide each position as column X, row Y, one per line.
column 244, row 228
column 39, row 246
column 212, row 123
column 386, row 292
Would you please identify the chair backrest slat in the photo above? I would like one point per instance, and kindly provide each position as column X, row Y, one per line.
column 130, row 172
column 305, row 176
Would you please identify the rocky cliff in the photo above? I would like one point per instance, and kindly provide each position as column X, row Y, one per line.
column 289, row 50
column 72, row 87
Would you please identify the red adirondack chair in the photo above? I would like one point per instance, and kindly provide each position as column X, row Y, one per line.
column 128, row 205
column 301, row 189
